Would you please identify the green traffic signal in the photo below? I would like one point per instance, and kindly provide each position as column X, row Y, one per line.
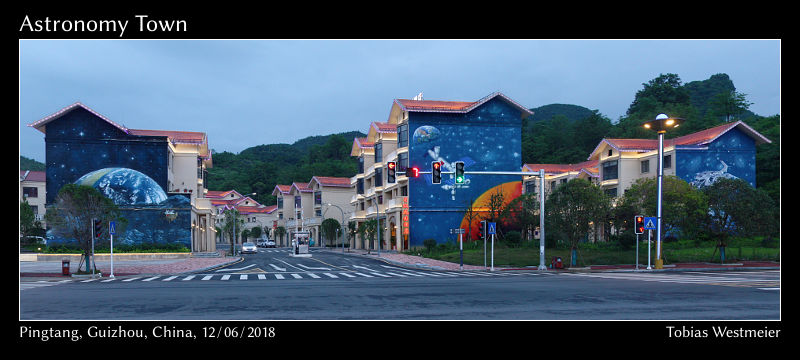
column 459, row 172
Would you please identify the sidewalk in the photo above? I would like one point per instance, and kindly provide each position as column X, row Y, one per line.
column 52, row 269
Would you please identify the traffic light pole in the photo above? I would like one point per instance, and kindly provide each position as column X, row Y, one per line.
column 540, row 174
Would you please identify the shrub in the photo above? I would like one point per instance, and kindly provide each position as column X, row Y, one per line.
column 512, row 238
column 429, row 244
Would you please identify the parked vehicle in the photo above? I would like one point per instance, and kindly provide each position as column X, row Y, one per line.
column 270, row 244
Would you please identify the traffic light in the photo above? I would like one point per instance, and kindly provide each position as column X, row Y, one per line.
column 459, row 172
column 482, row 230
column 436, row 172
column 390, row 175
column 97, row 226
column 412, row 172
column 639, row 228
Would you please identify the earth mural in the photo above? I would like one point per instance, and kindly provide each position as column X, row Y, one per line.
column 153, row 217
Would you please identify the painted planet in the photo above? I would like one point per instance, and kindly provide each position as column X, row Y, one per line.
column 510, row 190
column 425, row 133
column 125, row 186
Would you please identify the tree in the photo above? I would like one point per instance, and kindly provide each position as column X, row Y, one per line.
column 524, row 211
column 280, row 231
column 329, row 228
column 255, row 232
column 736, row 208
column 75, row 208
column 471, row 215
column 729, row 104
column 368, row 230
column 352, row 231
column 683, row 207
column 573, row 207
column 230, row 224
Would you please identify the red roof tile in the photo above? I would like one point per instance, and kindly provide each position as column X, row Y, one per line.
column 331, row 181
column 590, row 166
column 26, row 175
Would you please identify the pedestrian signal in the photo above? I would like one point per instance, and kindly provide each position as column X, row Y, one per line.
column 412, row 172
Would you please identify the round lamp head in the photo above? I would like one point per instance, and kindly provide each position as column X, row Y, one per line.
column 662, row 123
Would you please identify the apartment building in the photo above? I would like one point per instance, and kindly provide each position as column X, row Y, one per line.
column 253, row 213
column 303, row 206
column 557, row 174
column 32, row 189
column 484, row 134
column 156, row 177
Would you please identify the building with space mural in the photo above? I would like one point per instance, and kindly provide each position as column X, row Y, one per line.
column 155, row 177
column 484, row 134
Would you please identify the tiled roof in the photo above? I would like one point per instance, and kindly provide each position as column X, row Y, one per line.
column 178, row 137
column 282, row 188
column 589, row 166
column 40, row 124
column 702, row 137
column 363, row 143
column 384, row 127
column 27, row 175
column 455, row 106
column 302, row 187
column 331, row 181
column 220, row 194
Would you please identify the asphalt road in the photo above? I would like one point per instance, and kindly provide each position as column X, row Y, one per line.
column 275, row 286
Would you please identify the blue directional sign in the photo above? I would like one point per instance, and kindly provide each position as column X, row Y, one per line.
column 112, row 228
column 492, row 229
column 650, row 223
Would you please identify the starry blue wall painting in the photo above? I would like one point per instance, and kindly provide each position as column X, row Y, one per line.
column 131, row 170
column 732, row 156
column 488, row 138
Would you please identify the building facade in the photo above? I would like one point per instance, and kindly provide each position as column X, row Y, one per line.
column 252, row 213
column 303, row 206
column 485, row 135
column 32, row 188
column 155, row 177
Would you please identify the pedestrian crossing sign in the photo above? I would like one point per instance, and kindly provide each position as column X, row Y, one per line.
column 492, row 229
column 650, row 223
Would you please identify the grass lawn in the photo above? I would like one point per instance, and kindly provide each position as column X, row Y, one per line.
column 602, row 253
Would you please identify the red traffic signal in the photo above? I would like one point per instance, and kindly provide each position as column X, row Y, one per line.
column 436, row 172
column 639, row 224
column 390, row 174
column 412, row 172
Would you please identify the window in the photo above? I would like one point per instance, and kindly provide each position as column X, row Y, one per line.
column 318, row 212
column 404, row 191
column 645, row 166
column 297, row 200
column 402, row 162
column 280, row 215
column 610, row 170
column 30, row 192
column 530, row 187
column 563, row 181
column 402, row 135
column 378, row 152
column 667, row 161
column 380, row 199
column 610, row 152
column 379, row 177
column 611, row 192
column 318, row 198
column 360, row 164
column 360, row 186
column 280, row 202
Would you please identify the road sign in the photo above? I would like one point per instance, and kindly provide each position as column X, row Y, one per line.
column 458, row 231
column 112, row 228
column 492, row 229
column 650, row 223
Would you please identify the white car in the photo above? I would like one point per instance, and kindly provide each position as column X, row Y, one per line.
column 249, row 248
column 269, row 244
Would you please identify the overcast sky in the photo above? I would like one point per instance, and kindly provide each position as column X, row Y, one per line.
column 251, row 92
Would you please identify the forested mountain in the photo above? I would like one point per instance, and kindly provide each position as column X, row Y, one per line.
column 556, row 134
column 30, row 164
column 259, row 168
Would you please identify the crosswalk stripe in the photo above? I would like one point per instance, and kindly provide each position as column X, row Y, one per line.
column 279, row 276
column 90, row 280
column 243, row 277
column 379, row 274
column 348, row 275
column 131, row 279
column 152, row 278
column 364, row 275
column 207, row 277
column 109, row 280
column 315, row 276
column 262, row 277
column 169, row 278
column 395, row 274
column 190, row 277
column 297, row 276
column 330, row 275
column 226, row 277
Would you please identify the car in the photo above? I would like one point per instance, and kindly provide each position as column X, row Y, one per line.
column 269, row 244
column 249, row 248
column 261, row 243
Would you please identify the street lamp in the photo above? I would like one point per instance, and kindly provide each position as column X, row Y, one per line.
column 341, row 226
column 661, row 124
column 236, row 219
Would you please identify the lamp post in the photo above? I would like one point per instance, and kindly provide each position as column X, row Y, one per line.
column 341, row 226
column 235, row 220
column 661, row 124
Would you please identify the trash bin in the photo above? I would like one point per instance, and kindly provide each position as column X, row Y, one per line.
column 556, row 263
column 65, row 267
